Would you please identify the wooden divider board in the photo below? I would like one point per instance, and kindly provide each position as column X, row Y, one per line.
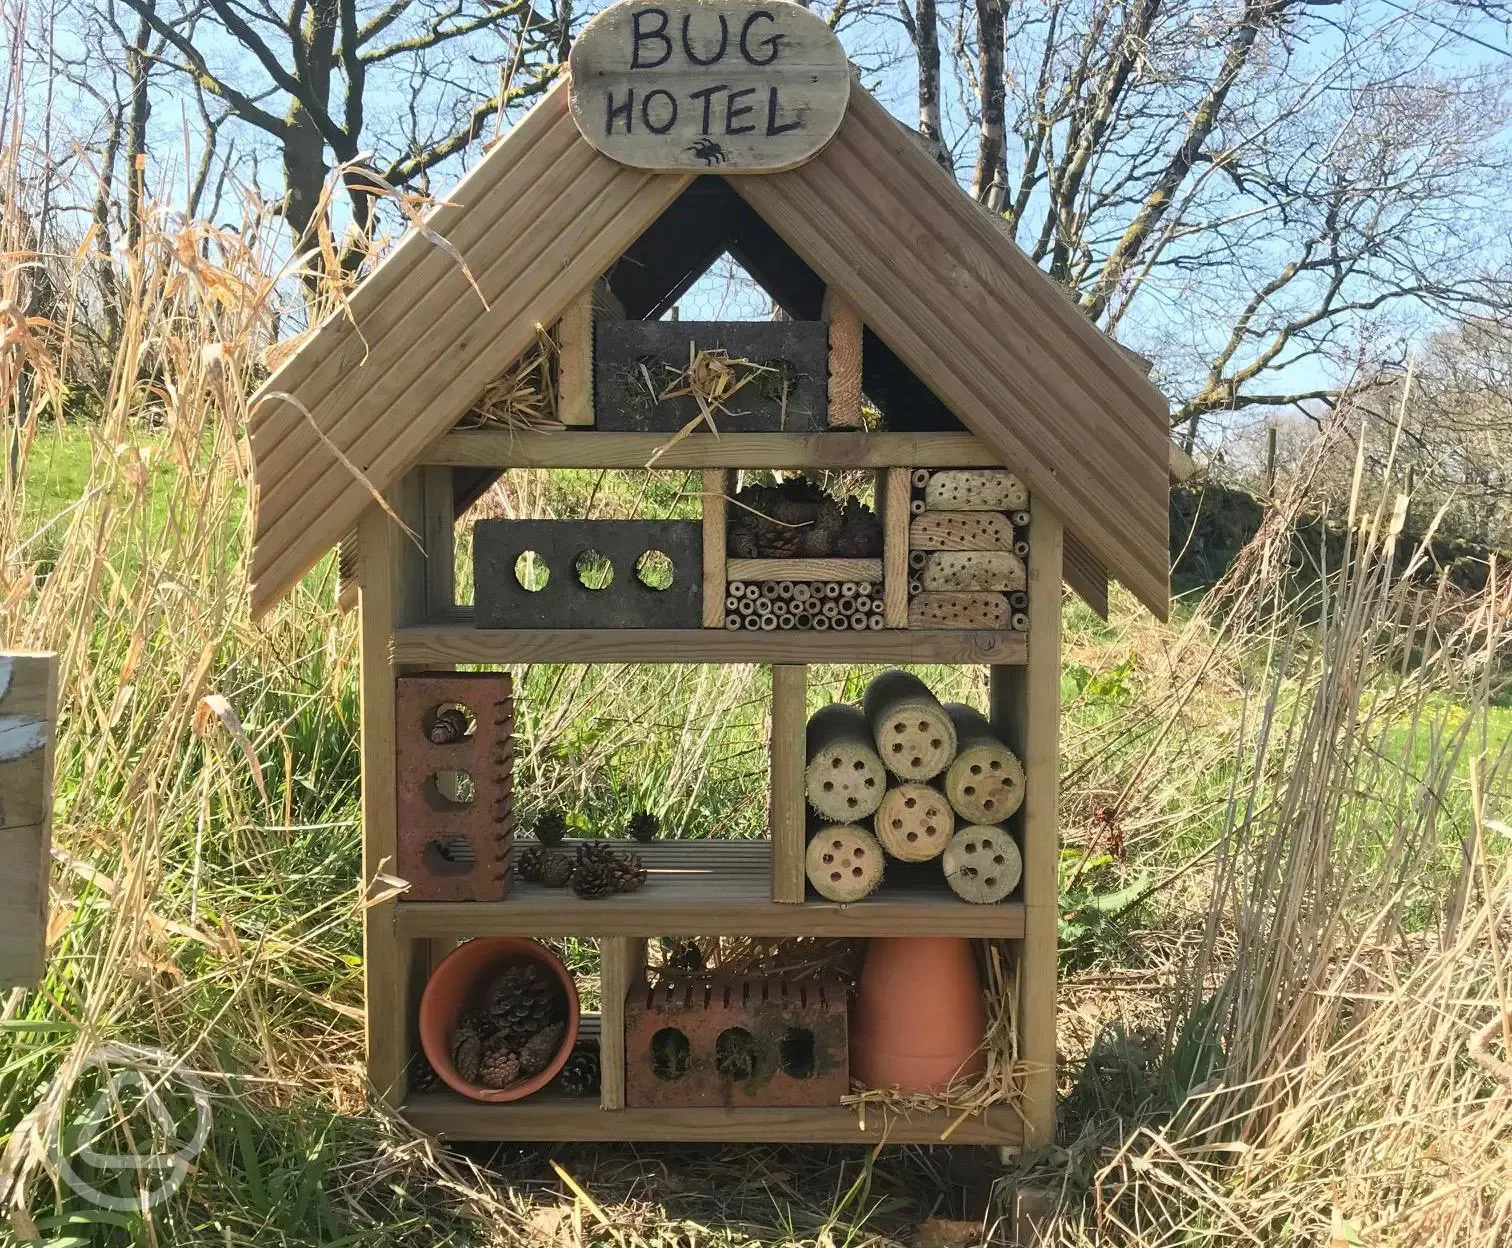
column 28, row 713
column 789, row 717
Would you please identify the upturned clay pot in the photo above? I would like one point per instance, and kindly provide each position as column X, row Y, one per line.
column 920, row 1017
column 454, row 987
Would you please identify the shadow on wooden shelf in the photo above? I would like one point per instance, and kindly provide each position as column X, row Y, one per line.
column 710, row 888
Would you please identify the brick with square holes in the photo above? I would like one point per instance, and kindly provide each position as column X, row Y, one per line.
column 451, row 848
column 759, row 1041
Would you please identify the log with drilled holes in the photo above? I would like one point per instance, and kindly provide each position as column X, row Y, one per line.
column 973, row 571
column 843, row 862
column 985, row 780
column 912, row 732
column 940, row 610
column 914, row 822
column 975, row 489
column 843, row 778
column 960, row 530
column 982, row 864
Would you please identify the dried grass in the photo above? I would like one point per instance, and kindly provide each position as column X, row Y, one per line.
column 524, row 397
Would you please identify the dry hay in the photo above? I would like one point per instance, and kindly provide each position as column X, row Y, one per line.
column 524, row 396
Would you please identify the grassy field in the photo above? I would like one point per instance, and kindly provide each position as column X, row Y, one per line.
column 1285, row 901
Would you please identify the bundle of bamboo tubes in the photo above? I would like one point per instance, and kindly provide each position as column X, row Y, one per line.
column 819, row 606
column 906, row 777
column 968, row 549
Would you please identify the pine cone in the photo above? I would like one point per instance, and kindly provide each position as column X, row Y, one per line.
column 520, row 1003
column 580, row 1075
column 685, row 959
column 532, row 865
column 644, row 825
column 629, row 872
column 556, row 870
column 467, row 1049
column 550, row 827
column 537, row 1052
column 500, row 1067
column 741, row 543
column 592, row 880
column 819, row 539
column 593, row 853
column 449, row 725
column 422, row 1075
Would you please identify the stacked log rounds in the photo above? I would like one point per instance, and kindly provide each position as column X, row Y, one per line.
column 844, row 779
column 914, row 822
column 912, row 731
column 982, row 864
column 985, row 780
column 968, row 550
column 843, row 862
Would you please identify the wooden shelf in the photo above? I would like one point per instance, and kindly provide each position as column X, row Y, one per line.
column 459, row 642
column 711, row 888
column 804, row 570
column 548, row 1116
column 592, row 448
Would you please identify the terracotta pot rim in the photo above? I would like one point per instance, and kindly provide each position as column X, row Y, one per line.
column 452, row 982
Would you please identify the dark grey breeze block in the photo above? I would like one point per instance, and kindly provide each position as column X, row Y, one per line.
column 587, row 573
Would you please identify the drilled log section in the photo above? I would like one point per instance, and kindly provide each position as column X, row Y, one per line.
column 844, row 862
column 914, row 822
column 844, row 779
column 912, row 732
column 971, row 571
column 985, row 780
column 975, row 489
column 960, row 530
column 982, row 864
column 940, row 610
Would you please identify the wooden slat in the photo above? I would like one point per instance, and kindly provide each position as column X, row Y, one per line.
column 804, row 570
column 1086, row 576
column 715, row 513
column 497, row 448
column 712, row 888
column 893, row 502
column 619, row 964
column 786, row 818
column 439, row 537
column 987, row 331
column 844, row 362
column 459, row 643
column 29, row 705
column 575, row 362
column 550, row 1118
column 1026, row 712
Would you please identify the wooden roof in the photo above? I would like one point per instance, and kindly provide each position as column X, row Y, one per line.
column 544, row 214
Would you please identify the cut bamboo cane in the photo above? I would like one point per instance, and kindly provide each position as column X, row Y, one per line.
column 960, row 530
column 982, row 864
column 751, row 623
column 839, row 623
column 912, row 732
column 916, row 507
column 843, row 862
column 768, row 623
column 1021, row 548
column 1019, row 622
column 821, row 624
column 732, row 622
column 735, row 589
column 972, row 571
column 920, row 478
column 858, row 620
column 830, row 609
column 832, row 589
column 915, row 588
column 1019, row 600
column 763, row 606
column 863, row 587
column 985, row 780
column 876, row 622
column 914, row 822
column 847, row 605
column 975, row 489
column 752, row 590
column 732, row 603
column 843, row 778
column 1020, row 519
column 917, row 559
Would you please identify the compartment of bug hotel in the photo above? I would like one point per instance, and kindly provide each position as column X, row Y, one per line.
column 968, row 549
column 904, row 791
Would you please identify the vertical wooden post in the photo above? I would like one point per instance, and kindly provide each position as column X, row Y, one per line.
column 893, row 493
column 1026, row 713
column 622, row 965
column 439, row 538
column 786, row 811
column 28, row 713
column 844, row 362
column 575, row 362
column 715, row 517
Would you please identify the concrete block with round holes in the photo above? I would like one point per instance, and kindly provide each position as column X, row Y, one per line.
column 588, row 573
column 767, row 1041
column 454, row 747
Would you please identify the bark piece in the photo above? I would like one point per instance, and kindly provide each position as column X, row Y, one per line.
column 912, row 732
column 943, row 610
column 914, row 822
column 960, row 530
column 985, row 780
column 975, row 489
column 982, row 864
column 844, row 779
column 844, row 862
column 952, row 571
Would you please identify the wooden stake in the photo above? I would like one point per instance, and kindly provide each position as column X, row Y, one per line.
column 912, row 732
column 785, row 813
column 844, row 779
column 914, row 822
column 29, row 700
column 982, row 864
column 985, row 780
column 844, row 862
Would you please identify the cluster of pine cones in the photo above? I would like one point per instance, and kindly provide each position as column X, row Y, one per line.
column 798, row 520
column 595, row 871
column 514, row 1033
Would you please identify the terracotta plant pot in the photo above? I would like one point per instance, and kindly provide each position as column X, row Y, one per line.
column 454, row 987
column 920, row 1017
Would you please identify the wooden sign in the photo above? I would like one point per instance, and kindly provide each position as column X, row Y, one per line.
column 28, row 707
column 717, row 86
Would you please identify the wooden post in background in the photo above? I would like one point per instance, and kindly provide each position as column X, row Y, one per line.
column 715, row 515
column 786, row 818
column 28, row 713
column 1026, row 713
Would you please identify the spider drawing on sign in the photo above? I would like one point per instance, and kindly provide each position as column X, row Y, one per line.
column 709, row 152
